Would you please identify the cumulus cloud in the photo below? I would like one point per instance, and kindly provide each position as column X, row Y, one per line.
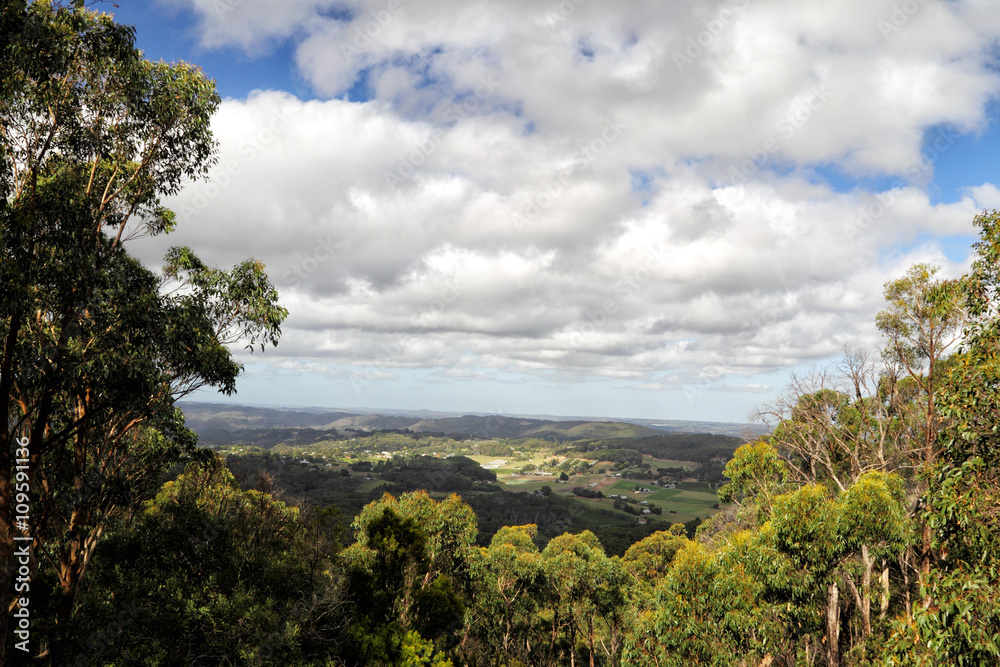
column 591, row 189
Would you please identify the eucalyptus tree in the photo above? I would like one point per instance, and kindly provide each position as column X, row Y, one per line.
column 756, row 472
column 841, row 428
column 959, row 623
column 94, row 350
column 402, row 572
column 716, row 605
column 875, row 529
column 507, row 595
column 574, row 569
column 923, row 322
column 206, row 573
column 835, row 425
column 649, row 558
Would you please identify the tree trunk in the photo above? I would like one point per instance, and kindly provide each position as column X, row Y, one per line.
column 590, row 638
column 833, row 626
column 552, row 640
column 849, row 579
column 866, row 591
column 884, row 580
column 572, row 644
column 904, row 566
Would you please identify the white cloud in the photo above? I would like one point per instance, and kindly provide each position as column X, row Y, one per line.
column 255, row 25
column 539, row 192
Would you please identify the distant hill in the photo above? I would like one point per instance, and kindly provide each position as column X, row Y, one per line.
column 492, row 426
column 737, row 429
column 590, row 431
column 496, row 426
column 217, row 422
column 376, row 422
column 204, row 416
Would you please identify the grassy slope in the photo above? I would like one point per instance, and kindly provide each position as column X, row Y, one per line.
column 590, row 431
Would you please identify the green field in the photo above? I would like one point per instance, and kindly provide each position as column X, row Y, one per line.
column 665, row 463
column 512, row 466
column 688, row 500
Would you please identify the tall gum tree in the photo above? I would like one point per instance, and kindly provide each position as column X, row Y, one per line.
column 94, row 351
column 959, row 623
column 924, row 320
column 508, row 578
column 838, row 424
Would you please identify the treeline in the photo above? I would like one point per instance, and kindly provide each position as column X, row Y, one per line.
column 316, row 485
column 267, row 438
column 208, row 573
column 614, row 455
column 455, row 473
column 697, row 447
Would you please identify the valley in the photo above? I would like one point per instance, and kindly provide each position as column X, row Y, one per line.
column 620, row 480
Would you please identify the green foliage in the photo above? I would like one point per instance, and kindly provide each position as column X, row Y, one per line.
column 577, row 572
column 755, row 471
column 961, row 623
column 649, row 559
column 629, row 456
column 706, row 611
column 456, row 473
column 508, row 581
column 418, row 652
column 401, row 573
column 207, row 572
column 924, row 316
column 95, row 351
column 875, row 494
column 804, row 525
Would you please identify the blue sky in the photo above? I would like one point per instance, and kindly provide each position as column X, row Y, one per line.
column 658, row 210
column 169, row 33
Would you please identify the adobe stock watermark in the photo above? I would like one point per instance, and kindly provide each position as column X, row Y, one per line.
column 22, row 545
column 789, row 123
column 369, row 28
column 392, row 353
column 629, row 285
column 323, row 250
column 714, row 28
column 207, row 191
column 915, row 168
column 563, row 11
column 581, row 160
column 411, row 161
column 730, row 357
column 223, row 7
column 901, row 14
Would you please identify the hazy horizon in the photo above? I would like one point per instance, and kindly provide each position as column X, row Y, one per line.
column 443, row 413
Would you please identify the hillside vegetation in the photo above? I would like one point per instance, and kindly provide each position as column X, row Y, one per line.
column 206, row 417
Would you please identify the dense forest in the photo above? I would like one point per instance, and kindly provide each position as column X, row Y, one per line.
column 864, row 529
